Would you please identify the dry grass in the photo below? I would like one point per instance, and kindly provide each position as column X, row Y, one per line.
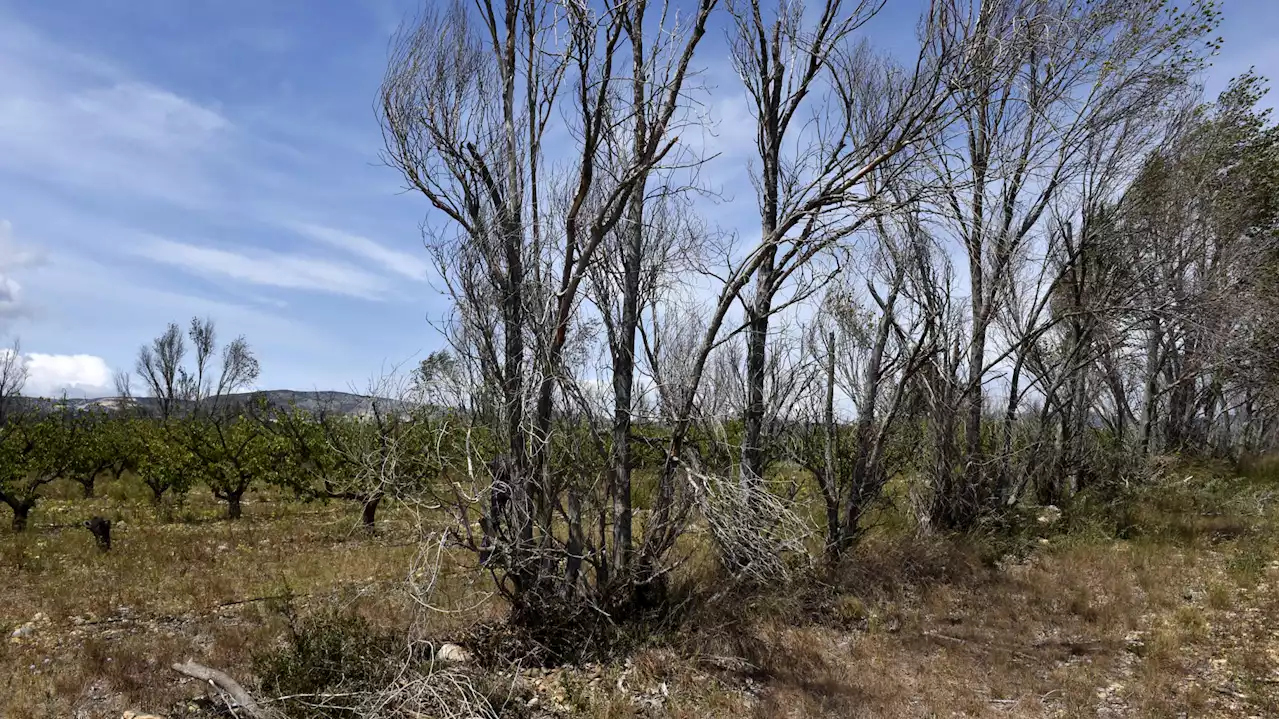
column 168, row 590
column 1178, row 619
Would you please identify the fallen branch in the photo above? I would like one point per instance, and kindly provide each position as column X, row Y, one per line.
column 979, row 646
column 228, row 687
column 250, row 600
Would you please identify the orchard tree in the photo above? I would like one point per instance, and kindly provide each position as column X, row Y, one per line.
column 320, row 456
column 33, row 453
column 231, row 454
column 229, row 450
column 100, row 448
column 163, row 462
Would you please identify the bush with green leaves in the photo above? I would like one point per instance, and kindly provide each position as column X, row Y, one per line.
column 334, row 654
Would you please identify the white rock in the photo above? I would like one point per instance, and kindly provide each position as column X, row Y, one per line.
column 1049, row 514
column 453, row 653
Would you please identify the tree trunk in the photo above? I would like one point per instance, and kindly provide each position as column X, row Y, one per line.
column 1149, row 393
column 21, row 514
column 752, row 469
column 233, row 504
column 623, row 382
column 369, row 511
column 830, row 494
column 974, row 458
column 1008, row 487
column 865, row 476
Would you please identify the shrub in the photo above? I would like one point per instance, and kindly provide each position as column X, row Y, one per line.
column 336, row 654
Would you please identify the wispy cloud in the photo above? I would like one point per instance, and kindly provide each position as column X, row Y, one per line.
column 68, row 120
column 271, row 269
column 162, row 182
column 412, row 266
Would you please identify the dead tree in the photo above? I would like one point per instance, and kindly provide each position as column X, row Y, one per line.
column 865, row 115
column 466, row 102
column 1040, row 83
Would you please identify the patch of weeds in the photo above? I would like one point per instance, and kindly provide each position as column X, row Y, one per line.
column 1220, row 596
column 1012, row 534
column 23, row 553
column 329, row 660
column 1186, row 502
column 1191, row 621
column 1248, row 563
column 1090, row 517
column 850, row 611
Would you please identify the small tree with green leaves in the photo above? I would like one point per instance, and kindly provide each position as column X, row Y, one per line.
column 314, row 457
column 98, row 449
column 231, row 454
column 33, row 451
column 164, row 463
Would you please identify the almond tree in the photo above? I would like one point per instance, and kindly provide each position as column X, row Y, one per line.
column 230, row 451
column 163, row 464
column 33, row 453
column 100, row 449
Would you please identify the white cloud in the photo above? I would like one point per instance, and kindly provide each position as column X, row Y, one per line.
column 141, row 115
column 80, row 123
column 413, row 266
column 272, row 269
column 80, row 375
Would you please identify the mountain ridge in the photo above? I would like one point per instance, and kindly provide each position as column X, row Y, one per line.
column 344, row 403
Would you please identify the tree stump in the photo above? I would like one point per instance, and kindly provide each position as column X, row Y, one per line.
column 101, row 529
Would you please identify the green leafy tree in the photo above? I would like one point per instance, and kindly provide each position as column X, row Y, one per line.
column 33, row 453
column 312, row 459
column 163, row 462
column 99, row 448
column 232, row 454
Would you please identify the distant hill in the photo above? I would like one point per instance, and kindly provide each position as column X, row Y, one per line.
column 342, row 403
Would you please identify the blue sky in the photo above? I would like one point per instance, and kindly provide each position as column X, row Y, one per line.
column 164, row 159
